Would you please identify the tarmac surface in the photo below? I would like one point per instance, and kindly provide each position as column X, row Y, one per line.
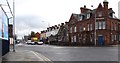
column 57, row 54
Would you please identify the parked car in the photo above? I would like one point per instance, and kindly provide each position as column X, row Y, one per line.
column 28, row 42
column 40, row 43
column 32, row 43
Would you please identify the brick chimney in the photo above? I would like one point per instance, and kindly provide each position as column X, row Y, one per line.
column 84, row 9
column 66, row 23
column 105, row 3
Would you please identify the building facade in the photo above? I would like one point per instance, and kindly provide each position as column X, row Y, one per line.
column 94, row 27
column 62, row 35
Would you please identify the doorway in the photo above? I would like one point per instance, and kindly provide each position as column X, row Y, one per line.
column 100, row 40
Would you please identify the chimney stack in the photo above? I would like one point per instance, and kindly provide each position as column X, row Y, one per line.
column 105, row 3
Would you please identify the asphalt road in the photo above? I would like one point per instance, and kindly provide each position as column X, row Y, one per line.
column 59, row 53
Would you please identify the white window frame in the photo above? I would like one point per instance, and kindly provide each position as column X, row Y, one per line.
column 103, row 25
column 75, row 29
column 75, row 39
column 81, row 17
column 70, row 29
column 71, row 39
column 88, row 16
column 96, row 25
column 91, row 26
column 112, row 37
column 115, row 26
column 80, row 28
column 115, row 37
column 88, row 27
column 100, row 25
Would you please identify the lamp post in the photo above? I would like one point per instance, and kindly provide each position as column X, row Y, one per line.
column 95, row 28
column 13, row 26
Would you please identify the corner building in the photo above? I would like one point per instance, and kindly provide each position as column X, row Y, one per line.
column 94, row 27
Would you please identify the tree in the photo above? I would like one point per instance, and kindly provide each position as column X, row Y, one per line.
column 33, row 34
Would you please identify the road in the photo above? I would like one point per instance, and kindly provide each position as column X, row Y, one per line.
column 60, row 53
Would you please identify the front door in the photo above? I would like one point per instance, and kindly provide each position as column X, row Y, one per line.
column 100, row 40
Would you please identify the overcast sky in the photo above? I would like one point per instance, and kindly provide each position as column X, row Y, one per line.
column 37, row 15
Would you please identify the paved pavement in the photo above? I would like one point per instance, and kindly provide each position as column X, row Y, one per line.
column 24, row 56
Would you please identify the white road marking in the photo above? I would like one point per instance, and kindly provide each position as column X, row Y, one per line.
column 41, row 57
column 37, row 56
column 61, row 53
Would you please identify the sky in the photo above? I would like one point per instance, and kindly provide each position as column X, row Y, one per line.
column 37, row 15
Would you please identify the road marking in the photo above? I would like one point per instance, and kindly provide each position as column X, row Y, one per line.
column 61, row 53
column 37, row 56
column 58, row 47
column 40, row 56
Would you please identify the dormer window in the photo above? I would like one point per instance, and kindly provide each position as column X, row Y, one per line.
column 111, row 15
column 80, row 18
column 88, row 16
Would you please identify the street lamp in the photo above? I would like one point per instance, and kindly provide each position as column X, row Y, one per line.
column 94, row 25
column 13, row 25
column 95, row 28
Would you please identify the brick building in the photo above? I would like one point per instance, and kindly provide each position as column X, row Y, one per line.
column 94, row 27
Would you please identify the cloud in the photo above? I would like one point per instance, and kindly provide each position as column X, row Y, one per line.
column 26, row 24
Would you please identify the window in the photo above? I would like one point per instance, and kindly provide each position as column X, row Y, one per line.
column 91, row 27
column 88, row 27
column 115, row 37
column 112, row 37
column 112, row 26
column 75, row 29
column 80, row 17
column 111, row 15
column 88, row 16
column 100, row 25
column 80, row 28
column 74, row 38
column 103, row 24
column 96, row 25
column 115, row 26
column 71, row 30
column 71, row 39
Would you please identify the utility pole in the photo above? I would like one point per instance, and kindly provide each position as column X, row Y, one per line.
column 13, row 26
column 95, row 28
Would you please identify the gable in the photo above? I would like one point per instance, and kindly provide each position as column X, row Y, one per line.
column 73, row 19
